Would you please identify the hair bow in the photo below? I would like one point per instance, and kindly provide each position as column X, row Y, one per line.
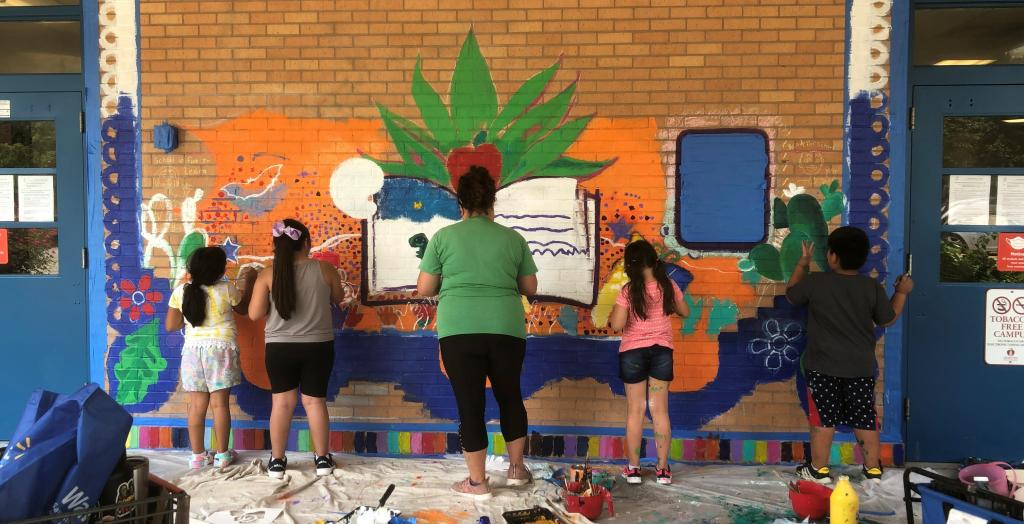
column 281, row 229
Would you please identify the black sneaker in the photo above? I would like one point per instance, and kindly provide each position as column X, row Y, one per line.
column 276, row 467
column 324, row 465
column 872, row 473
column 819, row 475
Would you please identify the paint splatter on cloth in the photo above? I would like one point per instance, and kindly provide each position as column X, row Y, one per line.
column 703, row 494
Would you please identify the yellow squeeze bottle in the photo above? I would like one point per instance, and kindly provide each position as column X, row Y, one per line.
column 843, row 503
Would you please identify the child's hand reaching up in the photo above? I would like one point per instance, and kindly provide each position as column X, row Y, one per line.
column 808, row 253
column 904, row 284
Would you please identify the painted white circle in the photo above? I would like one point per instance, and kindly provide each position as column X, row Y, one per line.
column 353, row 184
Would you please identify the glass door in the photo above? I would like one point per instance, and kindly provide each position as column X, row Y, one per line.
column 964, row 362
column 42, row 240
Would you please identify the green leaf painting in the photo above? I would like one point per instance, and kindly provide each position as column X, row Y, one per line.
column 530, row 133
column 473, row 96
column 189, row 245
column 435, row 114
column 525, row 96
column 139, row 364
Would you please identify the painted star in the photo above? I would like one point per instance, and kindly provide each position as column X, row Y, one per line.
column 231, row 249
column 620, row 229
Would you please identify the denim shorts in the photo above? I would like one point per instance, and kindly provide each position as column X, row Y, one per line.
column 636, row 365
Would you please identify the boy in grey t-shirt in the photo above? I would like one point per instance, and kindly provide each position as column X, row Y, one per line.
column 843, row 309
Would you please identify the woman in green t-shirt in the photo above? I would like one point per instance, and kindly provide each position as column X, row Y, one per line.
column 480, row 269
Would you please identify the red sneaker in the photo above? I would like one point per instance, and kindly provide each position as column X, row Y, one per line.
column 664, row 475
column 632, row 475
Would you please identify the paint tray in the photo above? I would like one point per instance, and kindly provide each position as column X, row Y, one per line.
column 526, row 516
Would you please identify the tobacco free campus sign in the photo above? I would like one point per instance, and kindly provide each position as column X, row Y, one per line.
column 1004, row 327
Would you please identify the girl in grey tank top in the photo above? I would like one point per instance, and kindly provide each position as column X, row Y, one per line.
column 296, row 296
column 310, row 321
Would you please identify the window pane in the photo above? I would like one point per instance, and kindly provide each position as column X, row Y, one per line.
column 40, row 47
column 27, row 144
column 968, row 36
column 31, row 251
column 972, row 257
column 36, row 3
column 983, row 141
column 722, row 189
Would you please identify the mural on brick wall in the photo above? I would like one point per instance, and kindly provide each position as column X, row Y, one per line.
column 373, row 191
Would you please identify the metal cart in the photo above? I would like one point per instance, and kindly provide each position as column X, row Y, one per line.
column 165, row 503
column 943, row 494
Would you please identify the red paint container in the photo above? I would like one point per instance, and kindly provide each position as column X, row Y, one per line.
column 589, row 506
column 810, row 500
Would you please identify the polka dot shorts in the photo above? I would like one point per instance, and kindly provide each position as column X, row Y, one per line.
column 840, row 401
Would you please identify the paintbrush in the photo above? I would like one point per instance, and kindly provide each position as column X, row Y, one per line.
column 292, row 493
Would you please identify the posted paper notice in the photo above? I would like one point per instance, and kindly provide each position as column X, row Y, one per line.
column 6, row 198
column 969, row 200
column 1010, row 201
column 35, row 198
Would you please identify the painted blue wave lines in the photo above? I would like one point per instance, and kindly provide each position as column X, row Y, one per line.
column 565, row 217
column 542, row 228
column 549, row 243
column 559, row 251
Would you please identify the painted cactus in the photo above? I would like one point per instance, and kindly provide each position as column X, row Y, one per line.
column 528, row 137
column 805, row 220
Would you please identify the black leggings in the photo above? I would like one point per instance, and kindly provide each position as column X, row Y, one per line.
column 469, row 361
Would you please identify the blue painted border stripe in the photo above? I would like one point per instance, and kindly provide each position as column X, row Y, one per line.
column 96, row 272
column 899, row 96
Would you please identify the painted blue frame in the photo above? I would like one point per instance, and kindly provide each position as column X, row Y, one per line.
column 893, row 429
column 765, row 216
column 95, row 277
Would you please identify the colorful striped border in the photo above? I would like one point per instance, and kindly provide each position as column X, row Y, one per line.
column 542, row 446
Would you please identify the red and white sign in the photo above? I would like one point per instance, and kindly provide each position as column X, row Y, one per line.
column 3, row 246
column 1011, row 252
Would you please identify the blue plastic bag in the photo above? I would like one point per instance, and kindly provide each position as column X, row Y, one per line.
column 62, row 453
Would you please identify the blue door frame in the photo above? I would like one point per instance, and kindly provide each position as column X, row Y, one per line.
column 86, row 87
column 45, row 337
column 958, row 405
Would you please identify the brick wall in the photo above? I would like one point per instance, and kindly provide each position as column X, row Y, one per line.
column 274, row 99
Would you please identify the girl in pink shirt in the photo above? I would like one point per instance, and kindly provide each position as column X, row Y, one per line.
column 642, row 312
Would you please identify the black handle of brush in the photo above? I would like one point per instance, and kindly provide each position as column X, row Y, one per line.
column 387, row 494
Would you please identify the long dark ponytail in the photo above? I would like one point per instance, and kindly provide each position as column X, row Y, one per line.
column 290, row 237
column 206, row 266
column 641, row 255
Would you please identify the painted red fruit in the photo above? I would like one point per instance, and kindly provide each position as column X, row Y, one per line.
column 462, row 158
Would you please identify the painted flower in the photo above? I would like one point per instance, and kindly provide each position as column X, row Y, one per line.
column 139, row 300
column 778, row 343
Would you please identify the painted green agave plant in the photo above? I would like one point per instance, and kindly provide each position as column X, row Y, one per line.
column 526, row 138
